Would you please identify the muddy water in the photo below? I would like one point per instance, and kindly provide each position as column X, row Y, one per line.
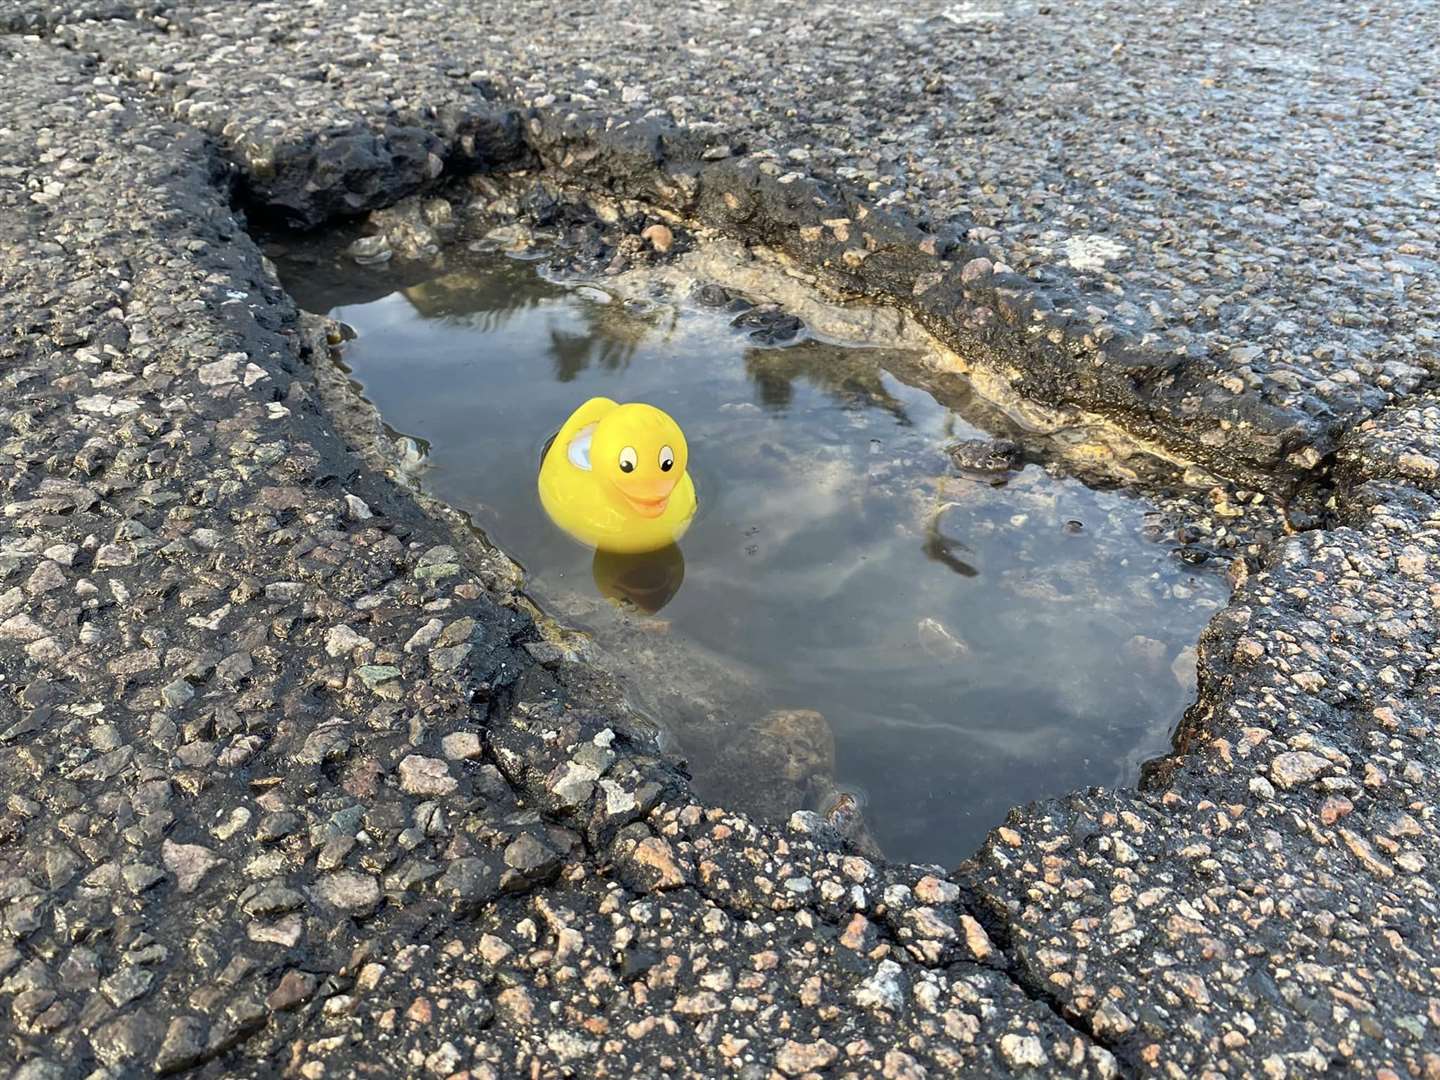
column 850, row 613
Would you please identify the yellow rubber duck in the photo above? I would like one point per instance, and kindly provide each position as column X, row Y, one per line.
column 614, row 477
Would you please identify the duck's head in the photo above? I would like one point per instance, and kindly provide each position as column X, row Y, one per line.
column 640, row 455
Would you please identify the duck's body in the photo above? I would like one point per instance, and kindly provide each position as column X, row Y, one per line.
column 614, row 478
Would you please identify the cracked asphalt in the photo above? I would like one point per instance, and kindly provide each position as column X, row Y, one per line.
column 294, row 786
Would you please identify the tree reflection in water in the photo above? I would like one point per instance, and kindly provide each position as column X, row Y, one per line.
column 855, row 382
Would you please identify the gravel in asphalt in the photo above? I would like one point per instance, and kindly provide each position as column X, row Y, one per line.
column 263, row 815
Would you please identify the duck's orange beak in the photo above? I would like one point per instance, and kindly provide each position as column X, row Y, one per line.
column 650, row 508
column 647, row 498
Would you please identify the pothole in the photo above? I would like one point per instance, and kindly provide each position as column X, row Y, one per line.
column 901, row 604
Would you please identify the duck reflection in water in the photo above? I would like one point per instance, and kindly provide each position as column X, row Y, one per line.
column 647, row 581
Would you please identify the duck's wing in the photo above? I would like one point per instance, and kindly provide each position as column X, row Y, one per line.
column 587, row 415
column 578, row 449
column 573, row 439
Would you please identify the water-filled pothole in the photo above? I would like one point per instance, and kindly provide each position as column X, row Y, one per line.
column 875, row 597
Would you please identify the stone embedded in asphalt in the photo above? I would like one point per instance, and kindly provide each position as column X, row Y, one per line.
column 1023, row 1051
column 342, row 641
column 531, row 858
column 189, row 863
column 220, row 372
column 295, row 988
column 576, row 784
column 797, row 1058
column 329, row 743
column 183, row 1047
column 440, row 554
column 1294, row 768
column 426, row 636
column 981, row 948
column 126, row 985
column 350, row 891
column 46, row 577
column 286, row 931
column 457, row 632
column 545, row 652
column 659, row 237
column 139, row 876
column 430, row 573
column 462, row 746
column 652, row 865
column 700, row 1004
column 375, row 676
column 449, row 659
column 269, row 899
column 975, row 270
column 932, row 890
column 426, row 776
column 885, row 989
column 357, row 509
column 1421, row 466
column 277, row 825
column 177, row 694
column 1412, row 561
column 471, row 882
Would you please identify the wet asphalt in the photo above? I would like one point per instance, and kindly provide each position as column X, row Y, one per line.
column 294, row 785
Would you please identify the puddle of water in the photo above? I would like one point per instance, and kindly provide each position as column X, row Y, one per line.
column 847, row 613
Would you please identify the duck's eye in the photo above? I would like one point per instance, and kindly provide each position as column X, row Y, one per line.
column 628, row 459
column 667, row 459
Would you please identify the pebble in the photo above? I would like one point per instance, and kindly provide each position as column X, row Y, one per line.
column 796, row 1058
column 1292, row 769
column 462, row 746
column 343, row 641
column 1023, row 1051
column 370, row 250
column 657, row 865
column 183, row 1046
column 883, row 989
column 376, row 675
column 295, row 988
column 426, row 776
column 659, row 237
column 356, row 509
column 190, row 863
column 351, row 892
